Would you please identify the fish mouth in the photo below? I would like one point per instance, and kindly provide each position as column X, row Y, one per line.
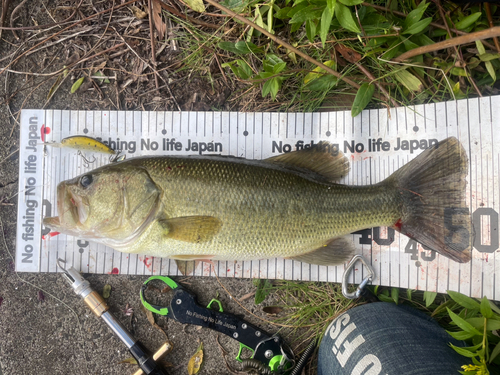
column 72, row 210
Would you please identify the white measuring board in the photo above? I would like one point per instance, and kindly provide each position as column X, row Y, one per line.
column 377, row 143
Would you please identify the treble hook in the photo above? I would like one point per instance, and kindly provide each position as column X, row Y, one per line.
column 86, row 162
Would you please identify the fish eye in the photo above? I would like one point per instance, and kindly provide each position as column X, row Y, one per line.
column 86, row 180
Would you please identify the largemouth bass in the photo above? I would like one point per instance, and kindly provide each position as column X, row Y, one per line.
column 225, row 208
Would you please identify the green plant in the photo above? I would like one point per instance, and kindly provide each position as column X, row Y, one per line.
column 464, row 318
column 476, row 323
column 366, row 37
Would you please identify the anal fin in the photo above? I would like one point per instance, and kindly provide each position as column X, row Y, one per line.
column 337, row 251
column 187, row 267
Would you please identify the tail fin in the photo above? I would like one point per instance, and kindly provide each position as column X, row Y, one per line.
column 432, row 187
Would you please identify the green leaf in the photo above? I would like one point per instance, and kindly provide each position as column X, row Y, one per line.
column 319, row 71
column 415, row 15
column 494, row 307
column 297, row 8
column 408, row 294
column 467, row 21
column 237, row 5
column 495, row 352
column 310, row 12
column 384, row 298
column 239, row 48
column 476, row 323
column 480, row 47
column 229, row 46
column 196, row 5
column 345, row 18
column 408, row 80
column 461, row 335
column 270, row 62
column 486, row 309
column 311, row 30
column 351, row 2
column 266, row 89
column 463, row 351
column 394, row 291
column 263, row 286
column 242, row 71
column 331, row 5
column 429, row 298
column 279, row 67
column 461, row 323
column 418, row 27
column 77, row 85
column 492, row 325
column 324, row 83
column 394, row 49
column 363, row 97
column 463, row 300
column 489, row 56
column 282, row 13
column 326, row 20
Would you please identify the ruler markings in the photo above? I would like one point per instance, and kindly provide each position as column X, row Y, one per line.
column 440, row 274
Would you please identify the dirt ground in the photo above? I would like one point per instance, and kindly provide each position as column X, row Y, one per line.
column 44, row 327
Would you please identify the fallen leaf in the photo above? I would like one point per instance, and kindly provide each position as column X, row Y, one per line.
column 55, row 86
column 196, row 5
column 77, row 85
column 99, row 67
column 319, row 71
column 272, row 310
column 151, row 317
column 196, row 361
column 160, row 26
column 347, row 53
column 131, row 361
column 138, row 13
column 247, row 296
column 106, row 291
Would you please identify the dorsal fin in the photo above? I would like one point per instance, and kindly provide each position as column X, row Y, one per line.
column 322, row 158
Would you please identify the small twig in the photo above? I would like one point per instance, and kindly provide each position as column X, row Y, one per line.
column 61, row 40
column 469, row 38
column 490, row 21
column 66, row 28
column 363, row 33
column 13, row 16
column 283, row 43
column 458, row 53
column 220, row 68
column 151, row 34
column 38, row 27
column 5, row 9
column 8, row 156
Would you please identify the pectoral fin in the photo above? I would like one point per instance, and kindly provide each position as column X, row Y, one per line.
column 337, row 251
column 193, row 229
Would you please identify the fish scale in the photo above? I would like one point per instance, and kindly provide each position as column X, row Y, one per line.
column 264, row 210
